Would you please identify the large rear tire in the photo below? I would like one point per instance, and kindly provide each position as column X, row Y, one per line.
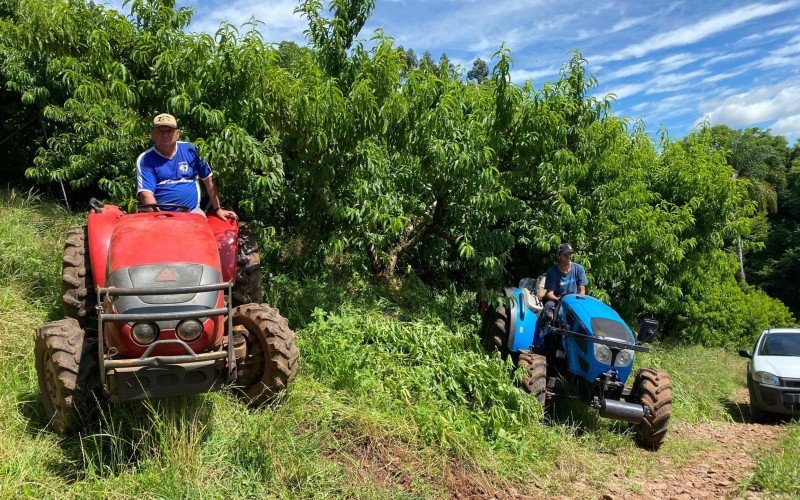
column 653, row 390
column 534, row 377
column 247, row 287
column 77, row 284
column 69, row 379
column 494, row 334
column 272, row 357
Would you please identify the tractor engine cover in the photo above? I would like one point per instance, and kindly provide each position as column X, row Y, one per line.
column 163, row 250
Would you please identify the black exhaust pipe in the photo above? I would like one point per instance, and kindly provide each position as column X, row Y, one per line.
column 619, row 410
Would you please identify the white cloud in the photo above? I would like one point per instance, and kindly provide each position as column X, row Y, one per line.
column 778, row 62
column 522, row 75
column 792, row 47
column 627, row 90
column 721, row 76
column 658, row 84
column 631, row 70
column 278, row 16
column 672, row 82
column 792, row 28
column 698, row 31
column 729, row 57
column 482, row 26
column 764, row 104
column 676, row 61
column 636, row 21
column 665, row 65
column 630, row 23
column 669, row 107
column 788, row 126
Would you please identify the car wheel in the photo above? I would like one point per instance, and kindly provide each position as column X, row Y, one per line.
column 757, row 415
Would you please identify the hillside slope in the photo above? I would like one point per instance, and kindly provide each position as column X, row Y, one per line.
column 394, row 399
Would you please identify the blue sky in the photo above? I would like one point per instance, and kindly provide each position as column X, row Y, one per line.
column 671, row 64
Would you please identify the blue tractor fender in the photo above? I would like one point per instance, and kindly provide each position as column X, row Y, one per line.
column 522, row 321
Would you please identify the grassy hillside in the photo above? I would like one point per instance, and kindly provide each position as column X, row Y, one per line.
column 394, row 399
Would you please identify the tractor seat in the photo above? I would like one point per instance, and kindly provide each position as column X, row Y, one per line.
column 539, row 289
column 531, row 301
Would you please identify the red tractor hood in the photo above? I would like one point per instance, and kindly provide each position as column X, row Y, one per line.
column 162, row 237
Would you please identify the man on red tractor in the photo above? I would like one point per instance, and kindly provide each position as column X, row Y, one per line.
column 148, row 315
column 167, row 174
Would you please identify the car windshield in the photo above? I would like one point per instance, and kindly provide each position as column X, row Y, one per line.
column 780, row 344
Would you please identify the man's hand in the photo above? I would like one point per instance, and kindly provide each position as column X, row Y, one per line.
column 226, row 214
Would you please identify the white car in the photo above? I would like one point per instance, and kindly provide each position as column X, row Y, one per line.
column 773, row 374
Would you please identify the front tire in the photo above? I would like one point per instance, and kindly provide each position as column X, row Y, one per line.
column 272, row 357
column 66, row 365
column 534, row 377
column 653, row 390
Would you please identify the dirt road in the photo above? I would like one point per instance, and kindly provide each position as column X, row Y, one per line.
column 726, row 457
column 714, row 472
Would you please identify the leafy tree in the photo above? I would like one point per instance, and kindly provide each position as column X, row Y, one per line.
column 758, row 156
column 479, row 71
column 99, row 77
column 774, row 267
column 446, row 68
column 332, row 37
column 411, row 59
column 427, row 63
column 349, row 156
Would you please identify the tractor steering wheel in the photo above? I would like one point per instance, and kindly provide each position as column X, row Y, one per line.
column 557, row 309
column 177, row 206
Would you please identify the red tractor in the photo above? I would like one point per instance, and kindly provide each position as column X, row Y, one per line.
column 159, row 304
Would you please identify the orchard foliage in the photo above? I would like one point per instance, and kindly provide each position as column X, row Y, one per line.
column 349, row 153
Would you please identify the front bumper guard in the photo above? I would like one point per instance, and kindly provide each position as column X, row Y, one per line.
column 191, row 361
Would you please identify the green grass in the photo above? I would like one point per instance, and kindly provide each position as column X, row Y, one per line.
column 704, row 381
column 394, row 399
column 780, row 472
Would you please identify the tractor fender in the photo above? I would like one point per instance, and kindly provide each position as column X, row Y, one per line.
column 522, row 321
column 513, row 311
column 101, row 222
column 226, row 233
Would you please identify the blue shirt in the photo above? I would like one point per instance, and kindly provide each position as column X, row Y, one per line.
column 172, row 180
column 562, row 284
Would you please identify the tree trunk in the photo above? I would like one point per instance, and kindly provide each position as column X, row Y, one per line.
column 740, row 277
column 386, row 270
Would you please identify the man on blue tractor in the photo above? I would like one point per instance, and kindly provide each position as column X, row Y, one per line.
column 563, row 278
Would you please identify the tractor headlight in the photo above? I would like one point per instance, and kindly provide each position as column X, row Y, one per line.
column 766, row 378
column 144, row 333
column 602, row 354
column 624, row 358
column 189, row 330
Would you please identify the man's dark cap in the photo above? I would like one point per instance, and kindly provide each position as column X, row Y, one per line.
column 565, row 248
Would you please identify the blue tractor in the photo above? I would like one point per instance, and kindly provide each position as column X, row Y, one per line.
column 588, row 345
